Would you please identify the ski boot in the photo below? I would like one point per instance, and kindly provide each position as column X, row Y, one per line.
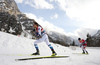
column 54, row 54
column 87, row 52
column 83, row 52
column 37, row 53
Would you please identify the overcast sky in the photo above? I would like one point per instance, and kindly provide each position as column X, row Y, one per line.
column 71, row 17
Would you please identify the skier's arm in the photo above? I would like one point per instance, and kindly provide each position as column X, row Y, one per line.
column 39, row 32
column 80, row 44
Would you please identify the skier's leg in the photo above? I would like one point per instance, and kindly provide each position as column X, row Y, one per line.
column 36, row 46
column 53, row 51
column 83, row 49
column 47, row 42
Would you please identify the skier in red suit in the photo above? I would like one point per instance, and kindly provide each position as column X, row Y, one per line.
column 83, row 45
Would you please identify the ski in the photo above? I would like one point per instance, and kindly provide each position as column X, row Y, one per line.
column 80, row 53
column 17, row 54
column 42, row 57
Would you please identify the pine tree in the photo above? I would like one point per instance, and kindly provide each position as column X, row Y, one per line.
column 88, row 40
column 73, row 44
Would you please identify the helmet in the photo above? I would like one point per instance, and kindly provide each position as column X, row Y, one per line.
column 79, row 38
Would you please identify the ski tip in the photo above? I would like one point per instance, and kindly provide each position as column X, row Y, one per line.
column 16, row 60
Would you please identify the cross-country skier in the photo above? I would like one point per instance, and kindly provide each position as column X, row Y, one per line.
column 42, row 36
column 83, row 45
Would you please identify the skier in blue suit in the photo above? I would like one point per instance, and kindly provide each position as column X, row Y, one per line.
column 42, row 36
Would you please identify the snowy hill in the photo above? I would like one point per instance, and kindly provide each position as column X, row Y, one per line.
column 11, row 45
column 21, row 45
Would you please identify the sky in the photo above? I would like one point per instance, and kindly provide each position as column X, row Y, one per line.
column 74, row 18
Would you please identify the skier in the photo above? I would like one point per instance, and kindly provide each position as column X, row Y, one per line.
column 42, row 36
column 83, row 45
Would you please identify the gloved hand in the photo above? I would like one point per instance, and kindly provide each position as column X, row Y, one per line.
column 38, row 37
column 80, row 45
column 33, row 30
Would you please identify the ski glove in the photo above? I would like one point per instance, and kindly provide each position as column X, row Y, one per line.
column 80, row 45
column 38, row 37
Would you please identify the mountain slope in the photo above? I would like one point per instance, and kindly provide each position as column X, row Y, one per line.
column 94, row 40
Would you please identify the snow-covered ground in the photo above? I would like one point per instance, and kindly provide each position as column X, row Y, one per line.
column 11, row 45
